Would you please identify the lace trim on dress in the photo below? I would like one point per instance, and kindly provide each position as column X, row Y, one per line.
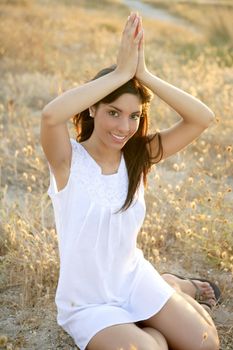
column 106, row 190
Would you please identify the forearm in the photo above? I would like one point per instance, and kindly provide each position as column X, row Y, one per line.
column 75, row 100
column 188, row 107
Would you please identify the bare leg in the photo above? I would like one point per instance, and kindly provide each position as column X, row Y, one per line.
column 185, row 324
column 157, row 336
column 199, row 308
column 127, row 337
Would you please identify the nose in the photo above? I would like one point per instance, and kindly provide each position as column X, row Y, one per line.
column 123, row 126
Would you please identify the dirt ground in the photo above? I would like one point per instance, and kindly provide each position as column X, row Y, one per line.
column 35, row 328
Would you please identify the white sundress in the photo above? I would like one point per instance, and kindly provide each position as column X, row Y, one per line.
column 104, row 278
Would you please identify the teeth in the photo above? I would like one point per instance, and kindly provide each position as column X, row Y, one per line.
column 119, row 137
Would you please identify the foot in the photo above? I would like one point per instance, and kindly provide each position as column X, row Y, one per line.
column 186, row 286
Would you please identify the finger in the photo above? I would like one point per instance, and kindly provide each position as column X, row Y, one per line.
column 138, row 37
column 139, row 26
column 130, row 22
column 139, row 23
column 132, row 17
column 131, row 27
column 135, row 25
column 141, row 43
column 137, row 29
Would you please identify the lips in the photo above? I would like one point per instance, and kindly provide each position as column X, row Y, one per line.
column 118, row 137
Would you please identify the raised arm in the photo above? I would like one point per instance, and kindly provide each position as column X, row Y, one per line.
column 54, row 132
column 55, row 138
column 74, row 101
column 196, row 116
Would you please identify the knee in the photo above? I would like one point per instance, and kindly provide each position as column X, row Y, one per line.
column 152, row 344
column 147, row 345
column 158, row 341
column 211, row 343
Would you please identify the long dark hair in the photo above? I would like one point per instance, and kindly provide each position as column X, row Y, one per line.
column 136, row 151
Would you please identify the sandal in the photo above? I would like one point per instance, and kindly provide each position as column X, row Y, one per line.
column 198, row 295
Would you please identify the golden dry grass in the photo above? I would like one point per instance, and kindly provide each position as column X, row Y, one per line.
column 47, row 47
column 215, row 17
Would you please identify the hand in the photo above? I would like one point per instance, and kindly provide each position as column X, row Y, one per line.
column 127, row 59
column 141, row 66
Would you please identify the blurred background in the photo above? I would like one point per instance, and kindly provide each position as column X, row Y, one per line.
column 47, row 47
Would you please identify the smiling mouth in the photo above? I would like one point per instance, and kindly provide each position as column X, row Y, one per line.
column 119, row 138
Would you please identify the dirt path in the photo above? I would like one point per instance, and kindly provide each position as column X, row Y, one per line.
column 155, row 13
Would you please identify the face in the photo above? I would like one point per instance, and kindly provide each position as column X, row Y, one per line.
column 115, row 123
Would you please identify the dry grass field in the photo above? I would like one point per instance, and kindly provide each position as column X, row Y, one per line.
column 47, row 47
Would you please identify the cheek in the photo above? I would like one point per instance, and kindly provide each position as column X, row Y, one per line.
column 101, row 123
column 134, row 127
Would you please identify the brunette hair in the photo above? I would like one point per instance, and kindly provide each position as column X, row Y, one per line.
column 136, row 151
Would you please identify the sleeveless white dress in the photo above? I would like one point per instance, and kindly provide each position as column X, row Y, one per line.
column 104, row 278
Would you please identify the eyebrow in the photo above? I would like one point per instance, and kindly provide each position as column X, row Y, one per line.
column 119, row 110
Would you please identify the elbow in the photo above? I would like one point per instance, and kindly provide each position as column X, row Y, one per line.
column 208, row 118
column 47, row 116
column 46, row 113
column 211, row 116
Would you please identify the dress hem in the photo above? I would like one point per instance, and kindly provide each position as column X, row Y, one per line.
column 110, row 323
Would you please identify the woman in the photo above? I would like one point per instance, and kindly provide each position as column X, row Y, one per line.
column 109, row 296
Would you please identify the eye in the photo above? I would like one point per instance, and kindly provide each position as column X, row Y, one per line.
column 113, row 113
column 135, row 116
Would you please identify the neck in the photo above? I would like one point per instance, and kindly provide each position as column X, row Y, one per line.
column 101, row 152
